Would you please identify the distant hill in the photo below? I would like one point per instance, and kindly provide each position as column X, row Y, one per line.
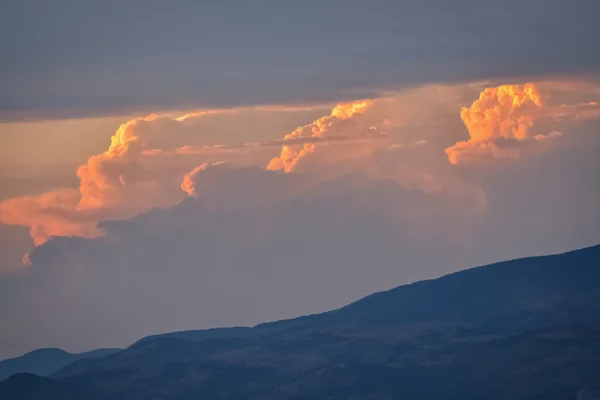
column 202, row 334
column 524, row 291
column 33, row 387
column 525, row 329
column 46, row 361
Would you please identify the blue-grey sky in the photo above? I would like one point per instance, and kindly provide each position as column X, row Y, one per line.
column 68, row 57
column 193, row 164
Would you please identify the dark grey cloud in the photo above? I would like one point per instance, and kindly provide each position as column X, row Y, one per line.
column 226, row 257
column 255, row 245
column 75, row 58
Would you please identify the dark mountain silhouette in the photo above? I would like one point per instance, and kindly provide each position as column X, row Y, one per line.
column 521, row 329
column 522, row 292
column 46, row 361
column 26, row 386
column 203, row 334
column 549, row 289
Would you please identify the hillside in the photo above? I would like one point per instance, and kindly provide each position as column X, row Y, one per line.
column 521, row 329
column 46, row 361
column 25, row 386
column 560, row 288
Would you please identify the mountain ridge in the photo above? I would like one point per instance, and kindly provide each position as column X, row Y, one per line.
column 202, row 333
column 45, row 361
column 524, row 329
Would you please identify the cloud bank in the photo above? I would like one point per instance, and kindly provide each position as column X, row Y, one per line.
column 170, row 229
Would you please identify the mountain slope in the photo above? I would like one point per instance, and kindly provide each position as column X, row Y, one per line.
column 33, row 387
column 46, row 361
column 521, row 329
column 548, row 289
column 202, row 334
column 554, row 287
column 564, row 286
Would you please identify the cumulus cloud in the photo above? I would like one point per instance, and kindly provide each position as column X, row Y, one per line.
column 117, row 183
column 47, row 214
column 360, row 199
column 249, row 244
column 142, row 168
column 346, row 119
column 500, row 123
column 148, row 158
column 497, row 121
column 245, row 237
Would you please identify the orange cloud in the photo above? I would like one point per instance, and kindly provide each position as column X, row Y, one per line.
column 114, row 184
column 50, row 214
column 133, row 175
column 500, row 115
column 347, row 110
column 136, row 173
column 189, row 182
column 574, row 112
column 140, row 170
column 506, row 111
column 143, row 168
column 500, row 121
column 346, row 120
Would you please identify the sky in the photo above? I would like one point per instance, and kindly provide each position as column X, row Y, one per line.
column 184, row 165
